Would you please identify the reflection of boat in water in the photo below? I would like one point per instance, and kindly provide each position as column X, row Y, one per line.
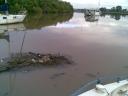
column 12, row 27
column 92, row 18
column 7, row 39
column 7, row 45
column 4, row 49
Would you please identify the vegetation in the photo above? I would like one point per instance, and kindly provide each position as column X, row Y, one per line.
column 37, row 6
column 31, row 59
column 114, row 10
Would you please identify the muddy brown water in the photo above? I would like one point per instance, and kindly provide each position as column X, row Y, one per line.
column 95, row 47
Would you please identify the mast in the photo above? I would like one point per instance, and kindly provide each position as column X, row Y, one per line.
column 6, row 12
column 6, row 1
column 99, row 5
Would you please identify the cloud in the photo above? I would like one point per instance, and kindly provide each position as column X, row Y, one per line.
column 95, row 3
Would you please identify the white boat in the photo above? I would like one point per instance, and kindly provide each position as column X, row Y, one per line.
column 92, row 12
column 113, row 89
column 97, row 13
column 10, row 18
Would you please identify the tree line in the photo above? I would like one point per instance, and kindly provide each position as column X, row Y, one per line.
column 35, row 6
column 114, row 10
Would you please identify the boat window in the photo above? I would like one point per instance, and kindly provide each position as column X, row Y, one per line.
column 4, row 17
column 14, row 17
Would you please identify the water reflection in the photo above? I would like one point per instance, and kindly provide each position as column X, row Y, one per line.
column 91, row 18
column 12, row 37
column 4, row 48
column 39, row 21
column 96, row 18
column 5, row 39
column 96, row 46
column 114, row 16
column 12, row 27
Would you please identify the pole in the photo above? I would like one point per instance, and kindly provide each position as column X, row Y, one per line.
column 99, row 4
column 6, row 2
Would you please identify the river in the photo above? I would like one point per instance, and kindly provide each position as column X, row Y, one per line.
column 98, row 46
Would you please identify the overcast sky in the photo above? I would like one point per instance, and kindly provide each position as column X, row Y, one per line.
column 94, row 3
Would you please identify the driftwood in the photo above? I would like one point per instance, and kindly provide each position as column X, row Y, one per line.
column 34, row 59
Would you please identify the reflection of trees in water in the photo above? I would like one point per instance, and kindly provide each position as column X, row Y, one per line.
column 39, row 21
column 114, row 16
column 102, row 15
column 4, row 36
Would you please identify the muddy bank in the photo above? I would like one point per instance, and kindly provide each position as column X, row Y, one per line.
column 18, row 61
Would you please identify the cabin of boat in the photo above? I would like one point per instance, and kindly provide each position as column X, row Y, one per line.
column 92, row 12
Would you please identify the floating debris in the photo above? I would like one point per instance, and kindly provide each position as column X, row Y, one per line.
column 34, row 59
column 57, row 75
column 91, row 75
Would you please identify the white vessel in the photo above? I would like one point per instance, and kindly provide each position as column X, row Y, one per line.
column 7, row 19
column 10, row 18
column 113, row 89
column 92, row 12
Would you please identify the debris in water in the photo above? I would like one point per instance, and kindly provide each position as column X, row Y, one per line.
column 57, row 75
column 35, row 59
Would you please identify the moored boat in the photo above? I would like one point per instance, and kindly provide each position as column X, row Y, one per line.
column 10, row 18
column 92, row 12
column 119, row 88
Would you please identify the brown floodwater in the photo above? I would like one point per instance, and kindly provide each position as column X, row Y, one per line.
column 96, row 46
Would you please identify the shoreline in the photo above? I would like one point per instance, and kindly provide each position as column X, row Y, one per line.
column 114, row 13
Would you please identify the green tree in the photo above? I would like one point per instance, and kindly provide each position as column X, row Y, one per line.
column 113, row 9
column 45, row 6
column 103, row 10
column 118, row 8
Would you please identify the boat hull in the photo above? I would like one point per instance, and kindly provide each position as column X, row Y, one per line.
column 112, row 89
column 8, row 19
column 92, row 12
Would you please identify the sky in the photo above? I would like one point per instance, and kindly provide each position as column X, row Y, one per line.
column 95, row 3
